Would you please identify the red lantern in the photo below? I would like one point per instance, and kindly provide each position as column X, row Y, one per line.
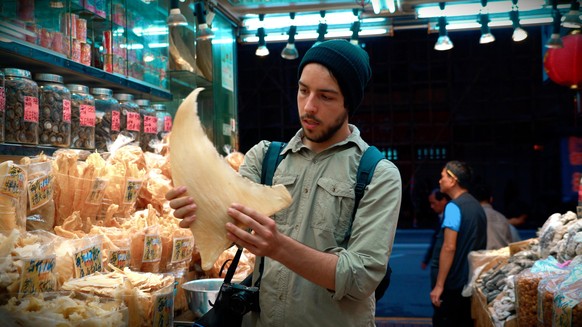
column 564, row 66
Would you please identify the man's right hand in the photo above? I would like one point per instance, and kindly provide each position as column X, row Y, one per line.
column 183, row 205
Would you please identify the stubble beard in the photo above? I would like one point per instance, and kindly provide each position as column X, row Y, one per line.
column 327, row 133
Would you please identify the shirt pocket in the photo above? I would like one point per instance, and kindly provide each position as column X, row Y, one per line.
column 333, row 206
column 289, row 181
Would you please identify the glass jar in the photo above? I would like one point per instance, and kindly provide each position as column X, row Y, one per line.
column 21, row 112
column 164, row 120
column 108, row 118
column 2, row 105
column 130, row 116
column 82, row 117
column 149, row 126
column 55, row 111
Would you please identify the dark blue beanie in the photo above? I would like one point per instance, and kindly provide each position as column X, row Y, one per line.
column 348, row 63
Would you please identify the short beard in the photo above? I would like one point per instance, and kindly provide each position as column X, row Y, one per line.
column 328, row 133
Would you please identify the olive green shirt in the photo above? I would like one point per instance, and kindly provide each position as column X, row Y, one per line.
column 322, row 187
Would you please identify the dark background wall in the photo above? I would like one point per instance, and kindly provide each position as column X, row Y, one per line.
column 489, row 105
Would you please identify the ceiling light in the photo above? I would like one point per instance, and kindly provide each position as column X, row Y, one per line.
column 262, row 48
column 57, row 4
column 321, row 28
column 464, row 9
column 572, row 18
column 443, row 42
column 290, row 51
column 486, row 36
column 519, row 34
column 555, row 41
column 203, row 32
column 355, row 28
column 176, row 18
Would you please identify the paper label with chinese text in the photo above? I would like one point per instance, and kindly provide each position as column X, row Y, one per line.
column 88, row 261
column 13, row 183
column 97, row 191
column 182, row 249
column 87, row 115
column 150, row 124
column 152, row 248
column 31, row 109
column 40, row 191
column 120, row 258
column 164, row 309
column 133, row 121
column 132, row 187
column 66, row 110
column 38, row 276
column 115, row 121
column 167, row 124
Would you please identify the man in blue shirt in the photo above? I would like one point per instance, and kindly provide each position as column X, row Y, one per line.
column 464, row 229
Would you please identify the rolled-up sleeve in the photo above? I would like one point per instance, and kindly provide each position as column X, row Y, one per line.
column 362, row 265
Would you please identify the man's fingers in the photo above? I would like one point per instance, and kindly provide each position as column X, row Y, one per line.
column 175, row 192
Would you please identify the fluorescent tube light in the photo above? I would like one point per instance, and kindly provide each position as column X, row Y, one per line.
column 466, row 9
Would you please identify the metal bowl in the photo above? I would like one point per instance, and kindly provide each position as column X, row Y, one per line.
column 199, row 292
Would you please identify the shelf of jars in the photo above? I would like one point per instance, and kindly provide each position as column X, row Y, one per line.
column 121, row 45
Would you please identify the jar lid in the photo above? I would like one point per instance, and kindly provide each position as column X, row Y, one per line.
column 49, row 78
column 101, row 91
column 123, row 96
column 16, row 72
column 143, row 102
column 159, row 106
column 78, row 88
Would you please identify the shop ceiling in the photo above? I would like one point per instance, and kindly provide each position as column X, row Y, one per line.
column 395, row 14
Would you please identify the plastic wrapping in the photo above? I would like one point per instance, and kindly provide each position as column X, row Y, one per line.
column 146, row 249
column 567, row 306
column 41, row 205
column 12, row 197
column 546, row 293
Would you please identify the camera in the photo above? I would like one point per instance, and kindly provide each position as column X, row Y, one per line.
column 239, row 298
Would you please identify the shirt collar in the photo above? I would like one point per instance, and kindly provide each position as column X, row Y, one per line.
column 295, row 144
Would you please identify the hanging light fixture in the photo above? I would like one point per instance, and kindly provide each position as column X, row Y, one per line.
column 262, row 48
column 486, row 36
column 355, row 28
column 321, row 28
column 57, row 4
column 572, row 18
column 175, row 18
column 203, row 32
column 443, row 42
column 519, row 34
column 290, row 51
column 555, row 41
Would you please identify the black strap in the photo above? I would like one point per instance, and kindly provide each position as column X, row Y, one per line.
column 368, row 163
column 271, row 161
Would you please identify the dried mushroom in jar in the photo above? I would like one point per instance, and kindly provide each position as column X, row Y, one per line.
column 22, row 107
column 55, row 111
column 82, row 117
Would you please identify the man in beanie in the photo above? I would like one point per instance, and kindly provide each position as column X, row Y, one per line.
column 464, row 229
column 321, row 268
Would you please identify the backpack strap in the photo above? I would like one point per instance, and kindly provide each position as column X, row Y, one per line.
column 368, row 163
column 271, row 161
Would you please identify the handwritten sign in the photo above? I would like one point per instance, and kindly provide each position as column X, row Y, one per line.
column 133, row 121
column 88, row 261
column 167, row 123
column 132, row 187
column 120, row 258
column 13, row 182
column 97, row 191
column 38, row 276
column 150, row 124
column 40, row 191
column 66, row 111
column 115, row 121
column 87, row 115
column 182, row 249
column 2, row 99
column 152, row 248
column 164, row 309
column 31, row 109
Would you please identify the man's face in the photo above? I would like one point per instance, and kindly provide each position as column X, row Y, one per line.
column 321, row 106
column 446, row 182
column 436, row 205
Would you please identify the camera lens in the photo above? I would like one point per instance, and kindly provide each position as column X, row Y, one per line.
column 238, row 303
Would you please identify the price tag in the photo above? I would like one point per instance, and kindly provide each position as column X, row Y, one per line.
column 97, row 191
column 37, row 276
column 88, row 261
column 40, row 191
column 31, row 109
column 87, row 115
column 150, row 124
column 13, row 183
column 66, row 111
column 133, row 121
column 115, row 121
column 152, row 248
column 167, row 123
column 164, row 309
column 2, row 99
column 182, row 249
column 120, row 258
column 132, row 187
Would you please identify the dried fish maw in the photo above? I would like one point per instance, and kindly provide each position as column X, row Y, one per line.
column 212, row 183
